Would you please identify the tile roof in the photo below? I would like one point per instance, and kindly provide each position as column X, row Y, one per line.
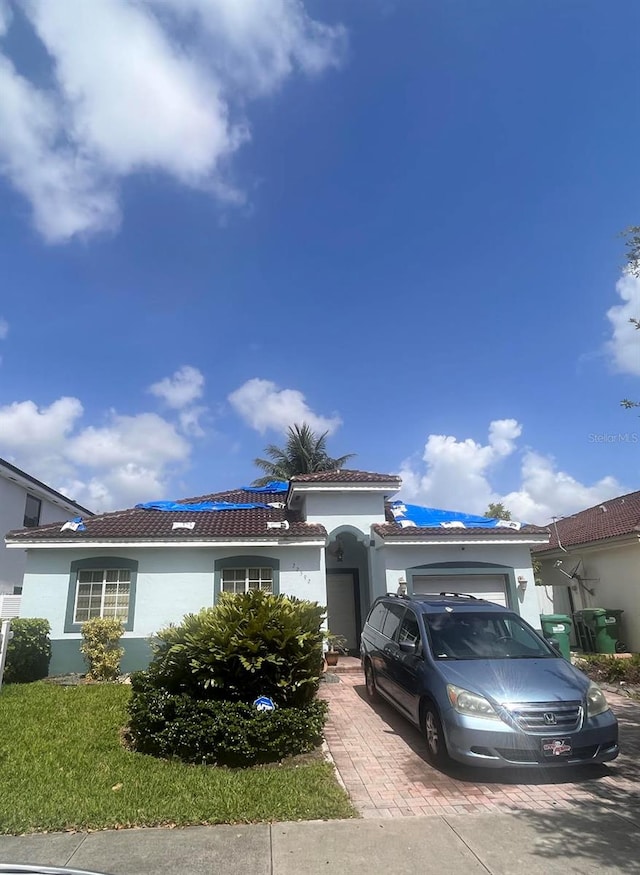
column 393, row 530
column 346, row 476
column 139, row 525
column 610, row 519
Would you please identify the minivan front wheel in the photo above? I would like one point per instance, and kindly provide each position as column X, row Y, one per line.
column 370, row 682
column 434, row 736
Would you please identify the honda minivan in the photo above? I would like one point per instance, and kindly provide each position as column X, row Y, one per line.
column 483, row 686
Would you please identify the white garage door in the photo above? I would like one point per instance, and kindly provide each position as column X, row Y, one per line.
column 491, row 587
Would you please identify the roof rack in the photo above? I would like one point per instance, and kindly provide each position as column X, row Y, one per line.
column 395, row 595
column 458, row 595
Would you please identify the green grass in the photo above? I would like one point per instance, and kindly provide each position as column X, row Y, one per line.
column 63, row 767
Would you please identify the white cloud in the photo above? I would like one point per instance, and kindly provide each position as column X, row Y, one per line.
column 6, row 16
column 126, row 460
column 546, row 492
column 189, row 419
column 457, row 476
column 456, row 473
column 4, row 329
column 144, row 439
column 25, row 426
column 624, row 346
column 181, row 389
column 144, row 85
column 262, row 405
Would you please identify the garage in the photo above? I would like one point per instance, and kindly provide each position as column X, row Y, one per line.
column 492, row 587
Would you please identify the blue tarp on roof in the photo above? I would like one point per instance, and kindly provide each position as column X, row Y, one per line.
column 273, row 486
column 200, row 506
column 407, row 515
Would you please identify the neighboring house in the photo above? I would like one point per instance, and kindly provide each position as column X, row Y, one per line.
column 329, row 537
column 593, row 560
column 25, row 501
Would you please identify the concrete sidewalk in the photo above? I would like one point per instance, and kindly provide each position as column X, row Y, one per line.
column 584, row 840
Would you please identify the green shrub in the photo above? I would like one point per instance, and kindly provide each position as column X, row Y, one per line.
column 29, row 652
column 100, row 647
column 248, row 645
column 218, row 732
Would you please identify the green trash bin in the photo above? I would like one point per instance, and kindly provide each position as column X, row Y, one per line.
column 614, row 628
column 596, row 621
column 557, row 626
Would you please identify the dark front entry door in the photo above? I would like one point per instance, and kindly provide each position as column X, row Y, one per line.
column 341, row 606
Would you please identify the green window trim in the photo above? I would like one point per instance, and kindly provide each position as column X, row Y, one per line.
column 245, row 562
column 100, row 563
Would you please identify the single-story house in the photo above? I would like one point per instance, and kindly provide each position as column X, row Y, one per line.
column 592, row 560
column 25, row 501
column 335, row 537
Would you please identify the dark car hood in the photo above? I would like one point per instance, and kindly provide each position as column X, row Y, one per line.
column 517, row 680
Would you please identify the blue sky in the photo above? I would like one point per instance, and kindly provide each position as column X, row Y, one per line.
column 396, row 220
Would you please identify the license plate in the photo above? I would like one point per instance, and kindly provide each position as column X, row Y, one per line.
column 556, row 747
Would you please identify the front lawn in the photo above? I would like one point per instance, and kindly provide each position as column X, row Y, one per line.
column 63, row 766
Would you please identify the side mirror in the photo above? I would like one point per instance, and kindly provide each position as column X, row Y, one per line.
column 555, row 644
column 410, row 648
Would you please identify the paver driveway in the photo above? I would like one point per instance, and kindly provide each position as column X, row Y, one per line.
column 380, row 758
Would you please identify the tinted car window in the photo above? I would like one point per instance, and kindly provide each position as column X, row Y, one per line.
column 376, row 617
column 392, row 621
column 484, row 636
column 409, row 632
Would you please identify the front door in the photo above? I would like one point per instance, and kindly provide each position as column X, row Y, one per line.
column 341, row 607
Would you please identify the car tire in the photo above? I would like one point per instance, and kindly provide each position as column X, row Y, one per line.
column 437, row 753
column 370, row 682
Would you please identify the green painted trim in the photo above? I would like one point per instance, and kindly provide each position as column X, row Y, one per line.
column 100, row 562
column 445, row 569
column 67, row 659
column 245, row 562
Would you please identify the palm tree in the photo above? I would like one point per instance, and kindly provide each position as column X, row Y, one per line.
column 304, row 453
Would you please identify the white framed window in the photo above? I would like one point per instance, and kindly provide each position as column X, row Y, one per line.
column 102, row 592
column 239, row 580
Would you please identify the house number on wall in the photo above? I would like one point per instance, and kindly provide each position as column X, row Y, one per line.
column 297, row 568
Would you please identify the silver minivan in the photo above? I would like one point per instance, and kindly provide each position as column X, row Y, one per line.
column 484, row 687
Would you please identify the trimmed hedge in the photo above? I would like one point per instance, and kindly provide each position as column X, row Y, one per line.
column 29, row 651
column 166, row 725
column 248, row 645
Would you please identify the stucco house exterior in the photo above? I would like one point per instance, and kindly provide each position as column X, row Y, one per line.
column 592, row 560
column 328, row 537
column 25, row 501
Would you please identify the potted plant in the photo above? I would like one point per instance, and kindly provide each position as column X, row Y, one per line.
column 336, row 644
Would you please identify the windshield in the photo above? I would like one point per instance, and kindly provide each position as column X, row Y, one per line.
column 483, row 636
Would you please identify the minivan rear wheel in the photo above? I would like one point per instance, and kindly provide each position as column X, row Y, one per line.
column 370, row 681
column 437, row 753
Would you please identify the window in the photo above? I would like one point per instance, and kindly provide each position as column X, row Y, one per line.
column 409, row 631
column 393, row 619
column 102, row 586
column 239, row 580
column 243, row 573
column 32, row 509
column 376, row 617
column 17, row 590
column 102, row 593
